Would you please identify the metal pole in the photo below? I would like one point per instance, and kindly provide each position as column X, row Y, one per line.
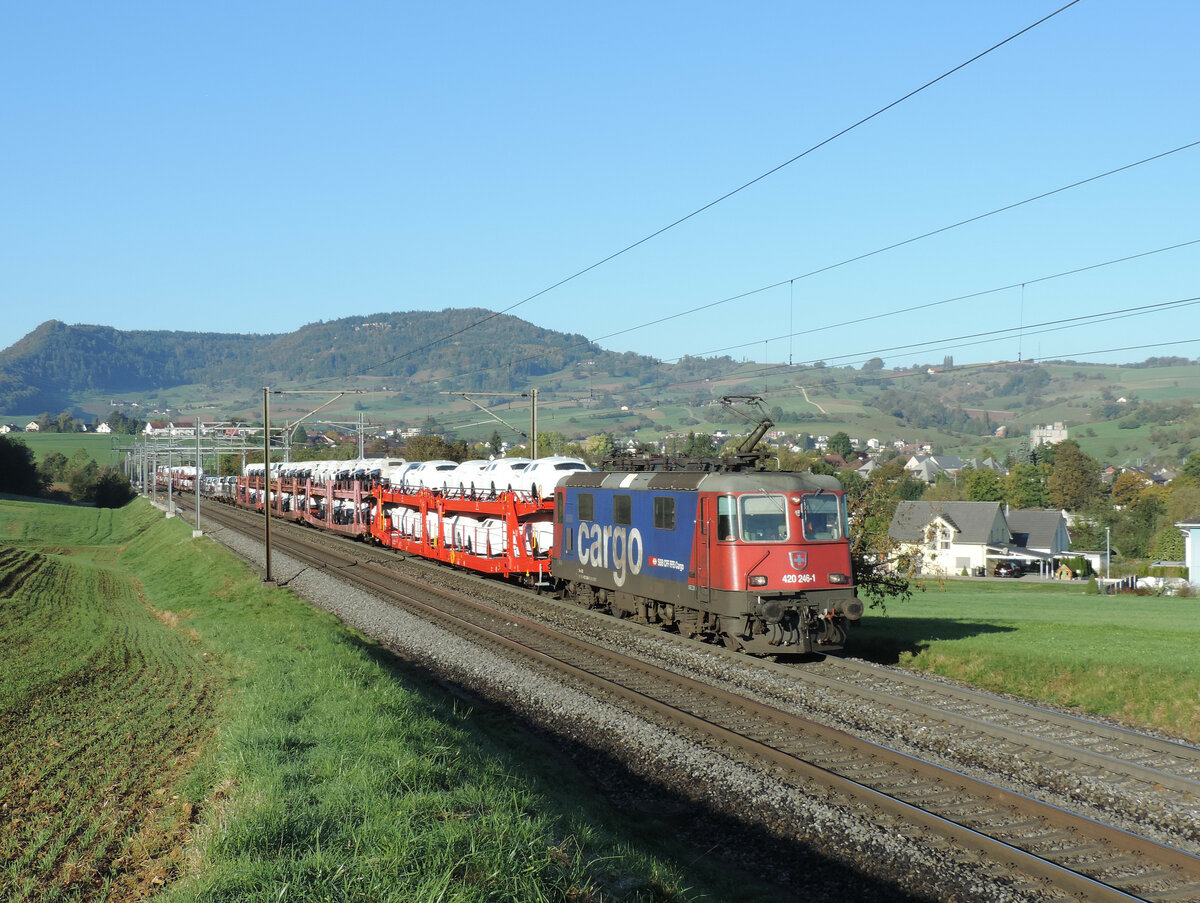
column 267, row 483
column 1107, row 551
column 196, row 479
column 533, row 424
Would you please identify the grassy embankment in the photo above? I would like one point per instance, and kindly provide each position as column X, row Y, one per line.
column 1136, row 658
column 168, row 724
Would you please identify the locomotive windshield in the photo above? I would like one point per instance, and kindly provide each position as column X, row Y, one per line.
column 821, row 515
column 764, row 518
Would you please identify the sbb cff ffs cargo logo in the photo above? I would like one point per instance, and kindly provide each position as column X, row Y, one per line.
column 799, row 560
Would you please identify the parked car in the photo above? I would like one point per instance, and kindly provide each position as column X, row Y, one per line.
column 541, row 476
column 1008, row 569
column 503, row 474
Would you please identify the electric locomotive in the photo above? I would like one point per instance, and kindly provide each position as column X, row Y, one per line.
column 758, row 560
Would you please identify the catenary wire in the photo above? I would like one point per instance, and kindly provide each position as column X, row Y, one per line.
column 929, row 304
column 894, row 245
column 774, row 285
column 886, row 314
column 723, row 197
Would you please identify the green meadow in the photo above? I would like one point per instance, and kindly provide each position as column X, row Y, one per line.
column 170, row 726
column 104, row 449
column 1136, row 658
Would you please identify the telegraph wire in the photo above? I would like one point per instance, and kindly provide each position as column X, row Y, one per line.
column 724, row 197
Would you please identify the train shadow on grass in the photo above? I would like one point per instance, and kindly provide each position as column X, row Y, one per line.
column 641, row 806
column 885, row 640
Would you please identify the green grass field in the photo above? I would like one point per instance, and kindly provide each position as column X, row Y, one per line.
column 169, row 725
column 1136, row 658
column 104, row 449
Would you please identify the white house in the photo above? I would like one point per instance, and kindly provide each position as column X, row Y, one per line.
column 1048, row 435
column 950, row 537
column 32, row 426
column 927, row 467
column 1040, row 530
column 103, row 428
column 1191, row 548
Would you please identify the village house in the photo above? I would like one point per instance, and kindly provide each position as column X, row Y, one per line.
column 1047, row 435
column 927, row 467
column 1191, row 548
column 950, row 538
column 1040, row 530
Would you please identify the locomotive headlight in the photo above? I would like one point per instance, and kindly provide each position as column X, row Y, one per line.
column 839, row 578
column 758, row 580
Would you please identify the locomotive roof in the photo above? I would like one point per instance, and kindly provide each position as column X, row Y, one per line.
column 677, row 480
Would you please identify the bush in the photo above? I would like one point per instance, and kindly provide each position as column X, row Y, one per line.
column 1092, row 588
column 112, row 489
column 1079, row 565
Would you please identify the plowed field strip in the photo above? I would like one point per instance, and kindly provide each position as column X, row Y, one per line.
column 103, row 699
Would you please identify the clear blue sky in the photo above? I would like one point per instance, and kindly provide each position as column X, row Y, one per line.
column 256, row 167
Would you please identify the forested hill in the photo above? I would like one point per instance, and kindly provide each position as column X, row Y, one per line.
column 56, row 364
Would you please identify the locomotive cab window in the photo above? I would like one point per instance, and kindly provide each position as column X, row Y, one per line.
column 821, row 516
column 664, row 512
column 587, row 506
column 726, row 519
column 764, row 518
column 623, row 510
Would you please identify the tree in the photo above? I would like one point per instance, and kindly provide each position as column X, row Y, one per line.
column 908, row 489
column 944, row 490
column 1191, row 468
column 599, row 446
column 1169, row 544
column 984, row 486
column 840, row 444
column 18, row 474
column 873, row 365
column 112, row 489
column 880, row 573
column 53, row 468
column 1025, row 487
column 1074, row 480
column 889, row 470
column 1127, row 487
column 65, row 422
column 82, row 473
column 495, row 442
column 432, row 448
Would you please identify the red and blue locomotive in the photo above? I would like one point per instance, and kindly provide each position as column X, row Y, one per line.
column 758, row 560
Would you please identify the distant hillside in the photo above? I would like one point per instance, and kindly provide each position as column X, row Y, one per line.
column 1123, row 414
column 57, row 364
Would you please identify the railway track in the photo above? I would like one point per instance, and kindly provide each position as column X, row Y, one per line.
column 1081, row 856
